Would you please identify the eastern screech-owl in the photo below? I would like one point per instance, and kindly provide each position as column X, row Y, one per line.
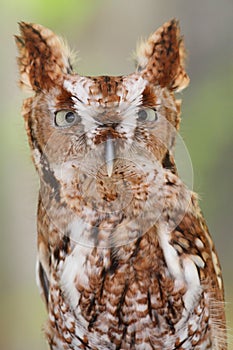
column 125, row 259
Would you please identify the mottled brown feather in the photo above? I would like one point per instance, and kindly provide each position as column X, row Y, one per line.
column 125, row 258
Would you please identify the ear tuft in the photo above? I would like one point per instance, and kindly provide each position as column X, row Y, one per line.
column 161, row 58
column 43, row 57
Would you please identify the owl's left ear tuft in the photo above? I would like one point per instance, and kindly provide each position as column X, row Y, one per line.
column 43, row 57
column 161, row 58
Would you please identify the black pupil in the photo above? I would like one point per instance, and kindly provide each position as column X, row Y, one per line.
column 142, row 115
column 70, row 117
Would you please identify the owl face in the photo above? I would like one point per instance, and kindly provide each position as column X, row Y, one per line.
column 104, row 118
column 100, row 143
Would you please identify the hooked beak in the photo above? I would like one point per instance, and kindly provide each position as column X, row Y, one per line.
column 109, row 155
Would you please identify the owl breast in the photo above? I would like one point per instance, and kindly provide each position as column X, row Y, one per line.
column 131, row 294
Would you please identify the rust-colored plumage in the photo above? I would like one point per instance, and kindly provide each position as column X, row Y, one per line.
column 125, row 259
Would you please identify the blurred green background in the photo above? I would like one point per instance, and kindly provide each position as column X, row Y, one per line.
column 105, row 33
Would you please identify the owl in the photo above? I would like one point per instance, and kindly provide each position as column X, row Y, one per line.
column 125, row 258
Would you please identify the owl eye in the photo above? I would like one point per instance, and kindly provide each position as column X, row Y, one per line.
column 147, row 115
column 66, row 118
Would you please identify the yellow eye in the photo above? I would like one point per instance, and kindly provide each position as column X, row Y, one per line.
column 147, row 115
column 66, row 118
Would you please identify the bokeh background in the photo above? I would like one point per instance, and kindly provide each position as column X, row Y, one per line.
column 105, row 33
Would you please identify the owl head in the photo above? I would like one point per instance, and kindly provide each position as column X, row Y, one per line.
column 102, row 135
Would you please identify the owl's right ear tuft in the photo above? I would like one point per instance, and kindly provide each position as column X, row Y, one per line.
column 43, row 58
column 161, row 58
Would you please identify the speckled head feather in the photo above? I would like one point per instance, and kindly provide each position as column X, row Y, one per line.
column 161, row 58
column 44, row 57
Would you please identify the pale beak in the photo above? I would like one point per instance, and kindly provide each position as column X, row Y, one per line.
column 109, row 155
